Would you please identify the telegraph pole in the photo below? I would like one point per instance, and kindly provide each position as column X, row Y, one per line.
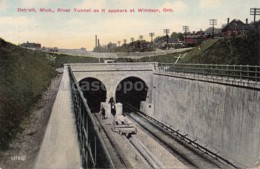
column 132, row 40
column 167, row 31
column 254, row 11
column 213, row 22
column 151, row 35
column 141, row 37
column 185, row 29
column 125, row 41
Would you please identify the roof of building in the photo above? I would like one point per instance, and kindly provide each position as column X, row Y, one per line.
column 236, row 24
column 193, row 36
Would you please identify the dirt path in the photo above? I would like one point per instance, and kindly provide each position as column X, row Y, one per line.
column 24, row 149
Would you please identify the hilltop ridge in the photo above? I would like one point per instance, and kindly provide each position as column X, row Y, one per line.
column 233, row 50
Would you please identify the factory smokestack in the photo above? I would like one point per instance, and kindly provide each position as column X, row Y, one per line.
column 96, row 41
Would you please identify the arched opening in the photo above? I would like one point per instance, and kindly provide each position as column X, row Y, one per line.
column 131, row 91
column 94, row 91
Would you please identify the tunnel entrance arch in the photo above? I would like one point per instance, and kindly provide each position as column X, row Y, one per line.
column 94, row 91
column 131, row 91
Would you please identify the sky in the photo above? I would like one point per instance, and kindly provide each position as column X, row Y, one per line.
column 74, row 30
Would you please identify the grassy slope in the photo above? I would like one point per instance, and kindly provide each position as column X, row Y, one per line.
column 196, row 52
column 24, row 75
column 60, row 59
column 240, row 50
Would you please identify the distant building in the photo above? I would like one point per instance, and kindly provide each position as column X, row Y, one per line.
column 30, row 45
column 202, row 33
column 173, row 41
column 209, row 31
column 193, row 40
column 236, row 27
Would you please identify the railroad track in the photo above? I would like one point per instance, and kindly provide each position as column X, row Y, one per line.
column 148, row 158
column 177, row 143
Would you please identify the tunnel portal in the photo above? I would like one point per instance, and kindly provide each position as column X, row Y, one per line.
column 94, row 91
column 131, row 91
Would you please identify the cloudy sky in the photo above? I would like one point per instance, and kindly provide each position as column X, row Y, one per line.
column 76, row 30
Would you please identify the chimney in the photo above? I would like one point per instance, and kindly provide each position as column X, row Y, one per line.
column 96, row 43
column 246, row 20
column 227, row 20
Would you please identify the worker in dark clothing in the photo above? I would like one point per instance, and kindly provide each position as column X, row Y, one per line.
column 103, row 113
column 111, row 100
column 112, row 105
column 113, row 110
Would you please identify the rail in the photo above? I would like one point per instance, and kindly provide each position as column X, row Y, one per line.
column 94, row 153
column 226, row 72
column 184, row 138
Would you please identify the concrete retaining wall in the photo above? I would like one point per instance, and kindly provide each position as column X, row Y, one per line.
column 225, row 118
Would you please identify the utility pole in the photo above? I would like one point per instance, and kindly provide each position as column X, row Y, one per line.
column 151, row 35
column 141, row 37
column 213, row 22
column 167, row 31
column 124, row 41
column 185, row 29
column 254, row 11
column 96, row 47
column 132, row 40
